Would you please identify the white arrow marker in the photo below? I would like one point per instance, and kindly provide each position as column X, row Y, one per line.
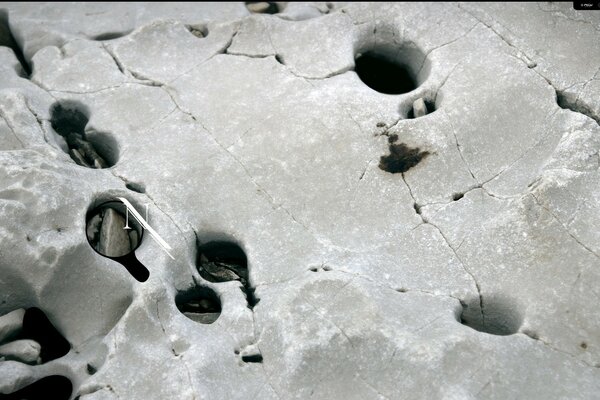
column 150, row 230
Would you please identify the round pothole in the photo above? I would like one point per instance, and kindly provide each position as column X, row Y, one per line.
column 201, row 304
column 496, row 315
column 93, row 149
column 112, row 231
column 389, row 69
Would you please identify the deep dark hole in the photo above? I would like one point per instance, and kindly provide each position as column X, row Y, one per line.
column 383, row 75
column 417, row 208
column 53, row 387
column 430, row 108
column 7, row 39
column 279, row 59
column 136, row 187
column 401, row 158
column 272, row 7
column 223, row 262
column 496, row 315
column 199, row 304
column 69, row 122
column 36, row 326
column 457, row 196
column 91, row 369
column 254, row 358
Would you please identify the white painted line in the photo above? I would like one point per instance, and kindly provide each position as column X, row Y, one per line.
column 146, row 226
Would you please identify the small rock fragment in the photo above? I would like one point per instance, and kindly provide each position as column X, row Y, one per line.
column 26, row 351
column 419, row 108
column 11, row 324
column 93, row 229
column 78, row 158
column 261, row 7
column 114, row 240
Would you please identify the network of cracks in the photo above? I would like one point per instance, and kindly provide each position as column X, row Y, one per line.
column 28, row 335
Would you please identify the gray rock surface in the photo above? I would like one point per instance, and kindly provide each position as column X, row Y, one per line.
column 473, row 274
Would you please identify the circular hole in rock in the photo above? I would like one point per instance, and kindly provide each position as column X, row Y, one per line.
column 497, row 315
column 93, row 150
column 262, row 7
column 200, row 31
column 112, row 231
column 200, row 304
column 390, row 69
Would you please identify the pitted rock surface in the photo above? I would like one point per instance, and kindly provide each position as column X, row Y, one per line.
column 465, row 265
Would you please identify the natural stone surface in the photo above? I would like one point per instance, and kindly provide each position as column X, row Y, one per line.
column 440, row 244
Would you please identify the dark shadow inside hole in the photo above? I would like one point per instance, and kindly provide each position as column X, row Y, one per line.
column 107, row 234
column 222, row 261
column 7, row 39
column 55, row 387
column 37, row 327
column 497, row 315
column 110, row 35
column 401, row 158
column 201, row 304
column 383, row 75
column 457, row 196
column 260, row 7
column 429, row 105
column 253, row 358
column 200, row 31
column 69, row 121
column 136, row 187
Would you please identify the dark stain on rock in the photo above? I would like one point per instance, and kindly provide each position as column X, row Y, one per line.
column 401, row 158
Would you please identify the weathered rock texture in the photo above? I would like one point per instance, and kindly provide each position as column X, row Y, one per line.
column 472, row 273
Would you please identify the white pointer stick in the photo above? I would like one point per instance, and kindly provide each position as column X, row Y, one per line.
column 143, row 222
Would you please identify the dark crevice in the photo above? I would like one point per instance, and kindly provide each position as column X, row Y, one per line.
column 53, row 387
column 567, row 103
column 222, row 261
column 110, row 35
column 200, row 304
column 7, row 39
column 253, row 358
column 97, row 150
column 457, row 196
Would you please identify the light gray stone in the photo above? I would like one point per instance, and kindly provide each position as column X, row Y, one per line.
column 26, row 351
column 114, row 239
column 11, row 324
column 471, row 275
